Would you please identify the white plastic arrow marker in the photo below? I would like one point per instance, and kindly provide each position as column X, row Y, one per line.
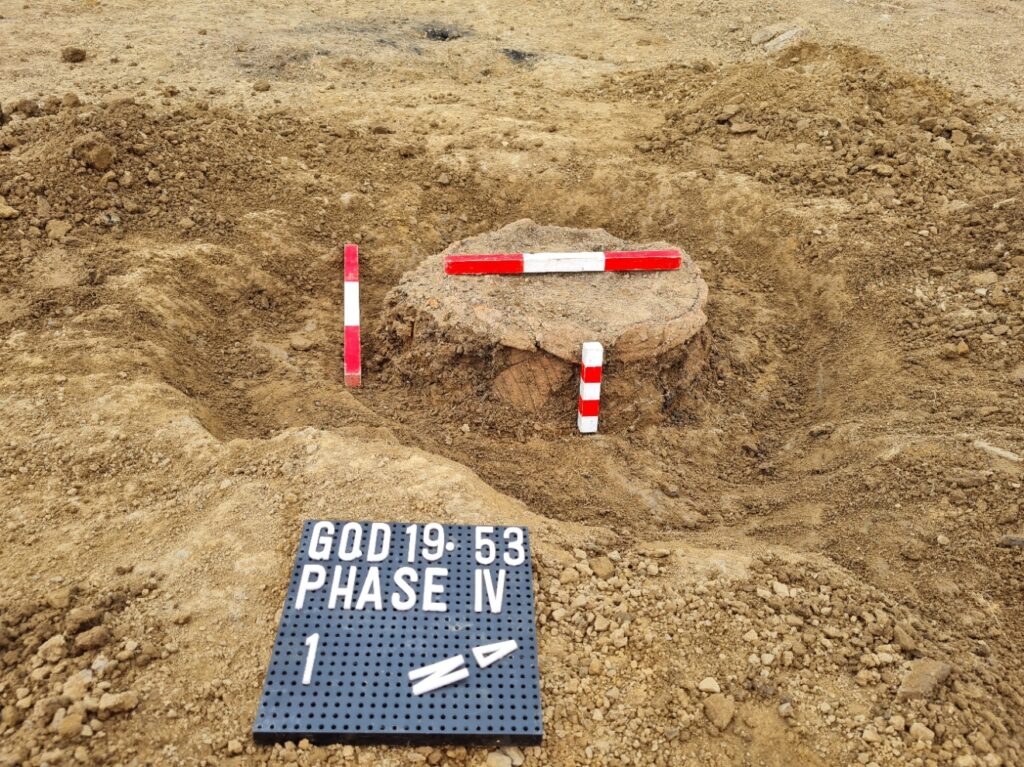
column 437, row 675
column 491, row 653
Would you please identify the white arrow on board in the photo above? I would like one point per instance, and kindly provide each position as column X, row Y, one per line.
column 437, row 675
column 451, row 670
column 487, row 654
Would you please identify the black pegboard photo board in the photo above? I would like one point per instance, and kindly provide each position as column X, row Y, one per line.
column 340, row 667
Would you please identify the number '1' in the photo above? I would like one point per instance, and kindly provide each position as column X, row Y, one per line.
column 312, row 641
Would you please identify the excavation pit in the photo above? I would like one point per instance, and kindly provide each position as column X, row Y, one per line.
column 516, row 339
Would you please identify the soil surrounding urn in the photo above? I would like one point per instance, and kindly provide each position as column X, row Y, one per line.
column 517, row 338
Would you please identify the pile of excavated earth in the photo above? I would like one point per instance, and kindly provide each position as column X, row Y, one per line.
column 801, row 544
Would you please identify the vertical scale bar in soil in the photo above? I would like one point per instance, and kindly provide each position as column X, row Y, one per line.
column 590, row 387
column 353, row 353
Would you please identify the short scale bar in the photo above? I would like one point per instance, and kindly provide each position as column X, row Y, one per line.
column 590, row 387
column 353, row 353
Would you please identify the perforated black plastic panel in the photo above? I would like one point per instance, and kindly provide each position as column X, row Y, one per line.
column 358, row 688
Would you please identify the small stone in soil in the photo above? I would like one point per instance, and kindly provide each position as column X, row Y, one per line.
column 923, row 679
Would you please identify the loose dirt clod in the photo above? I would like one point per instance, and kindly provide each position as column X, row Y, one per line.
column 94, row 150
column 442, row 32
column 72, row 55
column 923, row 678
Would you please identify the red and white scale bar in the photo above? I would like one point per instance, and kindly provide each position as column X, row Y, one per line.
column 539, row 263
column 590, row 387
column 353, row 354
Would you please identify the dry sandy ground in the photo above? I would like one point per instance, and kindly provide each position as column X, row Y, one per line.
column 810, row 557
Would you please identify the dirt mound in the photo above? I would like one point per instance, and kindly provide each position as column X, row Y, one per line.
column 835, row 121
column 521, row 335
column 92, row 171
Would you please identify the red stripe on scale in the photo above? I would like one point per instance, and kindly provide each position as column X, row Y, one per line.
column 589, row 407
column 642, row 260
column 590, row 375
column 496, row 263
column 353, row 351
column 351, row 263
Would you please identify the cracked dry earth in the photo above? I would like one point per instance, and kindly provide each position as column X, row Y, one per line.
column 813, row 556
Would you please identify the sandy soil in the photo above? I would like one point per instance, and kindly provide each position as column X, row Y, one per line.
column 818, row 559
